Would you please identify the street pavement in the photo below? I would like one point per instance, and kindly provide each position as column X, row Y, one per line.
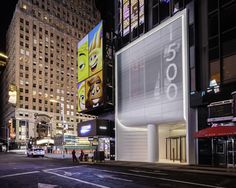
column 147, row 165
column 18, row 170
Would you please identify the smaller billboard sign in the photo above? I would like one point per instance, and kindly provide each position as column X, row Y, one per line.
column 96, row 127
column 12, row 92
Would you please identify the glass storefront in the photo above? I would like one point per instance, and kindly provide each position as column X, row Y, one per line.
column 176, row 149
column 174, row 138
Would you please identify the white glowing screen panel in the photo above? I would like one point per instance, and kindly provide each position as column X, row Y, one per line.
column 151, row 76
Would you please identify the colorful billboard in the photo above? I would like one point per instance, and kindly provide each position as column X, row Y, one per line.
column 133, row 11
column 90, row 65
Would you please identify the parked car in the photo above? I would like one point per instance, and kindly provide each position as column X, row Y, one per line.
column 35, row 152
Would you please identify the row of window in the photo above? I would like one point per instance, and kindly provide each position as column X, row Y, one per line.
column 222, row 40
column 42, row 71
column 60, row 19
column 68, row 119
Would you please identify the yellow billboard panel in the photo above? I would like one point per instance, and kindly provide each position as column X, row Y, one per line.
column 81, row 96
column 83, row 59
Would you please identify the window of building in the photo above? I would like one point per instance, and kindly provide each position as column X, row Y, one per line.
column 222, row 40
column 229, row 69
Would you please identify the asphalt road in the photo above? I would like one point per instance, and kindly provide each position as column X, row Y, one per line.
column 22, row 172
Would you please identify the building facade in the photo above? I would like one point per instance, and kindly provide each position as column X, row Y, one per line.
column 163, row 100
column 42, row 48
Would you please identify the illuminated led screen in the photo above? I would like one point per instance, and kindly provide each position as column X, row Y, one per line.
column 90, row 64
column 151, row 77
column 130, row 13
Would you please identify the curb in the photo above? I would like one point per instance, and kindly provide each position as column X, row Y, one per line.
column 174, row 169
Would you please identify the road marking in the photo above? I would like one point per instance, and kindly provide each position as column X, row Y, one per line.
column 71, row 173
column 19, row 174
column 78, row 180
column 156, row 173
column 43, row 185
column 112, row 177
column 61, row 168
column 164, row 179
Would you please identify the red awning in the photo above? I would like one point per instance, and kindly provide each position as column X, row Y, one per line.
column 216, row 131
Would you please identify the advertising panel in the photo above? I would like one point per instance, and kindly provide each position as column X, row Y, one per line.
column 151, row 76
column 94, row 91
column 132, row 11
column 95, row 49
column 12, row 92
column 81, row 95
column 83, row 59
column 90, row 65
column 87, row 128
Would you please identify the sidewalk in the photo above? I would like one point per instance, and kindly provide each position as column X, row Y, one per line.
column 174, row 167
column 157, row 166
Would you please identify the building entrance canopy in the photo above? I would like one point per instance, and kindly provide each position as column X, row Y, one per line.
column 216, row 132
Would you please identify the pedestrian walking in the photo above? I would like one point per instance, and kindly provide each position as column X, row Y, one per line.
column 81, row 155
column 74, row 158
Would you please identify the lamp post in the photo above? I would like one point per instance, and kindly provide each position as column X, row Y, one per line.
column 63, row 122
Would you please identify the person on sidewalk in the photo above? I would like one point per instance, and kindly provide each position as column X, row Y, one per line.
column 74, row 158
column 81, row 155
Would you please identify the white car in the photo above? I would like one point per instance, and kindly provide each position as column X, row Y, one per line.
column 35, row 152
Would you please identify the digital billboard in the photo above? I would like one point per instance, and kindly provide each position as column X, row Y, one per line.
column 132, row 12
column 151, row 76
column 90, row 65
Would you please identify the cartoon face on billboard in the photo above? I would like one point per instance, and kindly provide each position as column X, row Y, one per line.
column 90, row 64
column 83, row 59
column 94, row 91
column 95, row 49
column 81, row 95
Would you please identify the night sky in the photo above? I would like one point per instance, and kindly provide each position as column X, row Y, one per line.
column 6, row 10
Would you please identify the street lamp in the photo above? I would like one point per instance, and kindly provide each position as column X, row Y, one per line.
column 63, row 122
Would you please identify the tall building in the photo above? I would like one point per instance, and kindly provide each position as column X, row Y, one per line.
column 42, row 48
column 175, row 81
